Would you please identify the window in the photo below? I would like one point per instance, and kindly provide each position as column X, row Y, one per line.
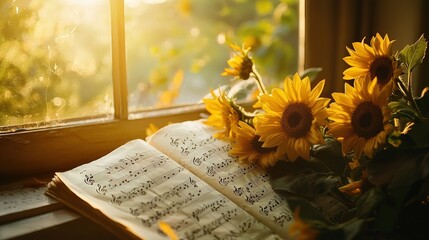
column 55, row 61
column 90, row 79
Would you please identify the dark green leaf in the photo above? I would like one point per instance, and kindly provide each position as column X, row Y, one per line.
column 414, row 54
column 406, row 114
column 419, row 133
column 306, row 183
column 387, row 216
column 369, row 202
column 409, row 169
column 331, row 155
column 285, row 168
column 352, row 228
column 395, row 168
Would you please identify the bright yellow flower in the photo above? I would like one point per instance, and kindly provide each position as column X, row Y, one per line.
column 168, row 230
column 248, row 148
column 241, row 64
column 222, row 115
column 372, row 61
column 300, row 230
column 185, row 7
column 292, row 118
column 360, row 116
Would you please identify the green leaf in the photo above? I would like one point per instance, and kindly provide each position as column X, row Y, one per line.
column 414, row 54
column 401, row 109
column 369, row 202
column 419, row 133
column 352, row 228
column 306, row 183
column 397, row 105
column 406, row 114
column 242, row 90
column 331, row 155
column 387, row 216
column 311, row 73
column 285, row 168
column 409, row 169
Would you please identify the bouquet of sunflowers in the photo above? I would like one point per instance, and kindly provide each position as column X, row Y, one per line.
column 367, row 148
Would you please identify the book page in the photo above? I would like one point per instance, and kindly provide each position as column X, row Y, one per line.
column 193, row 146
column 138, row 186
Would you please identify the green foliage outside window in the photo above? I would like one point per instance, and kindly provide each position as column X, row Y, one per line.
column 55, row 56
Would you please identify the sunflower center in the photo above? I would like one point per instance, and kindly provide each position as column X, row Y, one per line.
column 257, row 145
column 246, row 68
column 382, row 69
column 367, row 120
column 296, row 120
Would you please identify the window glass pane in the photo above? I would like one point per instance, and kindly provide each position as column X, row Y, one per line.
column 55, row 61
column 177, row 49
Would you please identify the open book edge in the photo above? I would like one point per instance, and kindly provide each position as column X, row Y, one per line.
column 57, row 188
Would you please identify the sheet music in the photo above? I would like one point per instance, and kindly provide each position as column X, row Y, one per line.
column 23, row 199
column 139, row 186
column 192, row 144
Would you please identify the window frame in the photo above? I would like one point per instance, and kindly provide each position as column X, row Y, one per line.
column 36, row 152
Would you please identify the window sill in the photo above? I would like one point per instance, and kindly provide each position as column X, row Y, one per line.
column 33, row 153
column 26, row 213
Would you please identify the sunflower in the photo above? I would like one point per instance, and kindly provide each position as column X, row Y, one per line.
column 292, row 118
column 241, row 64
column 248, row 148
column 360, row 116
column 223, row 115
column 372, row 61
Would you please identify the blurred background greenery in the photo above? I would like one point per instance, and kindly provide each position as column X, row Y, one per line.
column 55, row 56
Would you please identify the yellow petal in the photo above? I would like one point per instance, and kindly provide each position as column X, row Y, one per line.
column 165, row 228
column 317, row 90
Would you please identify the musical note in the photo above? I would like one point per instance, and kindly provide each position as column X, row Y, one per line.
column 252, row 198
column 212, row 206
column 170, row 209
column 240, row 230
column 225, row 180
column 275, row 202
column 174, row 142
column 89, row 179
column 207, row 229
column 213, row 168
column 196, row 161
column 283, row 217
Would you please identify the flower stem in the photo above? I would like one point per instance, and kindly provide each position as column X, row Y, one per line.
column 408, row 93
column 258, row 78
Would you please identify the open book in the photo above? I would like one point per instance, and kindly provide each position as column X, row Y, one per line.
column 181, row 176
